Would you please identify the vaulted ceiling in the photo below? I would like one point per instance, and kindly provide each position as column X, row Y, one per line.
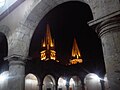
column 7, row 6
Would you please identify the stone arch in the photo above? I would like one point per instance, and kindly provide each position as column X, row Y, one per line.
column 27, row 27
column 62, row 82
column 75, row 83
column 92, row 82
column 49, row 82
column 31, row 82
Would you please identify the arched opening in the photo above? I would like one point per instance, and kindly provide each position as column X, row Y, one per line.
column 4, row 80
column 92, row 82
column 3, row 52
column 48, row 83
column 31, row 82
column 62, row 82
column 75, row 83
column 69, row 20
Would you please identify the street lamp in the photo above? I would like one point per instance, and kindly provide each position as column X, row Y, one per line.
column 4, row 76
column 4, row 80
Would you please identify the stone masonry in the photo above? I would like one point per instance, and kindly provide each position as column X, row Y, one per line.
column 106, row 13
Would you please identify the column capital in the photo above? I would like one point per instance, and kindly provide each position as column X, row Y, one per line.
column 16, row 59
column 108, row 25
column 16, row 72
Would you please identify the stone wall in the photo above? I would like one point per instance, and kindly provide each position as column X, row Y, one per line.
column 102, row 8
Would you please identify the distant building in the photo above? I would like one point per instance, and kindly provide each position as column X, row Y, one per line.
column 76, row 56
column 48, row 52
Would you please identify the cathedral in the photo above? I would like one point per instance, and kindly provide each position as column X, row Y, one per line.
column 59, row 44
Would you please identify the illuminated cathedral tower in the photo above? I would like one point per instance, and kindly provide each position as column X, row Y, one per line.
column 76, row 56
column 48, row 48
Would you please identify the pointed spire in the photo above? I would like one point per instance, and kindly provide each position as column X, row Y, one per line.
column 75, row 49
column 48, row 45
column 75, row 54
column 48, row 37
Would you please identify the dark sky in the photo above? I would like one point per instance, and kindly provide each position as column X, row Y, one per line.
column 67, row 21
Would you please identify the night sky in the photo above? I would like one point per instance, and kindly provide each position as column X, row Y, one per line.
column 67, row 21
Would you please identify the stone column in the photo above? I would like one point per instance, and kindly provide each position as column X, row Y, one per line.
column 109, row 32
column 56, row 86
column 82, row 86
column 102, row 84
column 67, row 87
column 16, row 72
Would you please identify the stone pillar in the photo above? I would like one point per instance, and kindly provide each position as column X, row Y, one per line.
column 56, row 86
column 102, row 84
column 67, row 87
column 109, row 32
column 82, row 86
column 16, row 72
